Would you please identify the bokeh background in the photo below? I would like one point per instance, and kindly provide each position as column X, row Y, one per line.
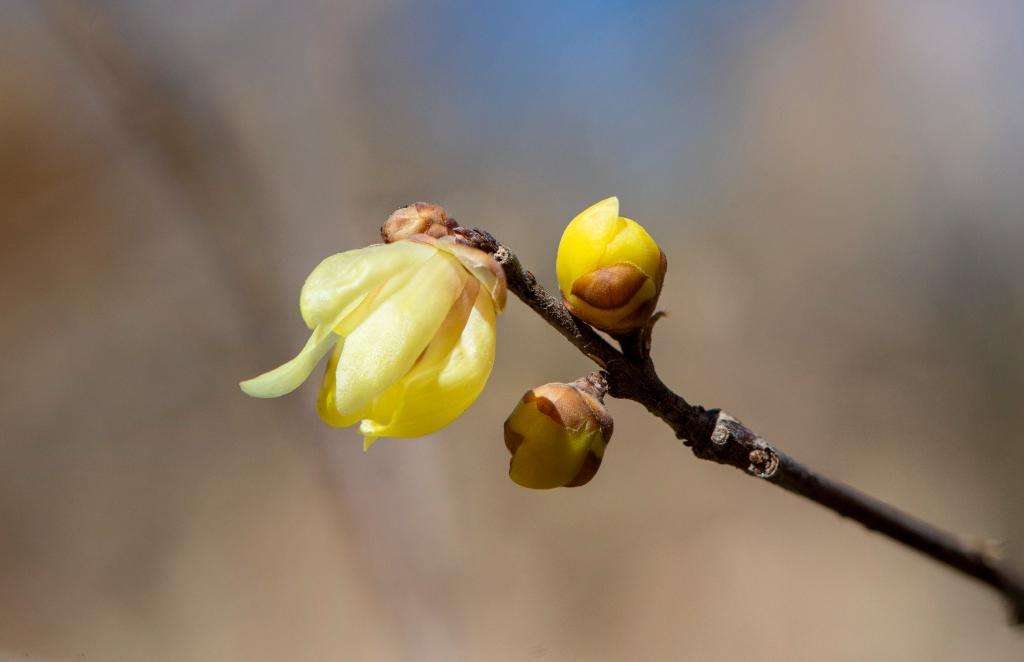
column 838, row 187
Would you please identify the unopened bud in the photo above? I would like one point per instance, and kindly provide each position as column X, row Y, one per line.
column 610, row 271
column 557, row 435
column 418, row 218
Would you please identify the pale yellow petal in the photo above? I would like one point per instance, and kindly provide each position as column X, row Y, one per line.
column 341, row 279
column 446, row 380
column 383, row 410
column 288, row 377
column 385, row 346
column 325, row 406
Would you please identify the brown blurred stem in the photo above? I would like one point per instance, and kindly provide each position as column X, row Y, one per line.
column 714, row 435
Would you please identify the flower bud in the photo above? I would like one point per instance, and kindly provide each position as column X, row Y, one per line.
column 418, row 218
column 610, row 271
column 557, row 435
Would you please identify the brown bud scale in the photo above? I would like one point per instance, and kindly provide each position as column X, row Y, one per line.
column 610, row 287
column 418, row 218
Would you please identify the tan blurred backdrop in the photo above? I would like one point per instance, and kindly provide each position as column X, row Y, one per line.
column 838, row 189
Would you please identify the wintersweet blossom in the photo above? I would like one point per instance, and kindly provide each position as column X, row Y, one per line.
column 557, row 435
column 410, row 329
column 609, row 269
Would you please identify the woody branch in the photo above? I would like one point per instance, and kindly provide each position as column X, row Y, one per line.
column 714, row 435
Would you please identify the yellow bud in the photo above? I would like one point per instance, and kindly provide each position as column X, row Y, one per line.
column 610, row 270
column 557, row 435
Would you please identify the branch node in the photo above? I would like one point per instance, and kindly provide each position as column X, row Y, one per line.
column 596, row 384
column 722, row 433
column 764, row 462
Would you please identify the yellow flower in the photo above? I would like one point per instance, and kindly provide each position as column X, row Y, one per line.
column 557, row 435
column 412, row 329
column 609, row 269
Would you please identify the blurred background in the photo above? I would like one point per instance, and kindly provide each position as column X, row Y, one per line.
column 838, row 189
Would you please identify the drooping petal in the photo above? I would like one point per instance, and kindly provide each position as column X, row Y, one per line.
column 448, row 377
column 385, row 345
column 339, row 281
column 288, row 377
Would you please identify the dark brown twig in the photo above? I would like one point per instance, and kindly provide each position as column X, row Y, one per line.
column 714, row 435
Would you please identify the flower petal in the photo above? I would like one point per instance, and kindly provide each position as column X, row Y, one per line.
column 325, row 406
column 384, row 347
column 288, row 377
column 633, row 245
column 448, row 377
column 584, row 241
column 339, row 280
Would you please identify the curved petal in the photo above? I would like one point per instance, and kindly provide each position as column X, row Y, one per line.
column 338, row 281
column 448, row 377
column 403, row 320
column 288, row 377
